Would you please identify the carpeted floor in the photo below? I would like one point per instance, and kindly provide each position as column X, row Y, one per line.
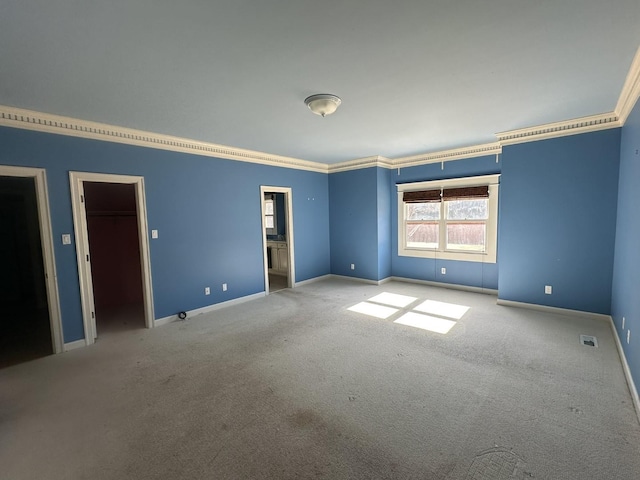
column 296, row 386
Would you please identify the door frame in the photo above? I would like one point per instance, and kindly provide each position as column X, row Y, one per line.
column 46, row 240
column 77, row 180
column 288, row 213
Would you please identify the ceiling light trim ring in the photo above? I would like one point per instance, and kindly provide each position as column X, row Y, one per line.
column 323, row 104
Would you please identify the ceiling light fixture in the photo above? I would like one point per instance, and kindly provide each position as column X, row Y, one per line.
column 323, row 104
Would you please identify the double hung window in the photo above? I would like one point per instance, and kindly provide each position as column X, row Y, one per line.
column 450, row 219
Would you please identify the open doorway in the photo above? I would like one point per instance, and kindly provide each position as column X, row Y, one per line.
column 112, row 247
column 277, row 234
column 29, row 324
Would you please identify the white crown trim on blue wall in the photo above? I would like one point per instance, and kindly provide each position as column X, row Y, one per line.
column 46, row 122
column 560, row 129
column 359, row 163
column 449, row 155
column 630, row 90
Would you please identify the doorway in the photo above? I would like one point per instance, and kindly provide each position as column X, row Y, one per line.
column 113, row 253
column 277, row 235
column 30, row 322
column 114, row 249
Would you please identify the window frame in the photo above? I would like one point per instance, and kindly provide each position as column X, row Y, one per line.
column 270, row 198
column 487, row 256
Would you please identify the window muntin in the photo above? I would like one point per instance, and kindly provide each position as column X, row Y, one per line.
column 454, row 227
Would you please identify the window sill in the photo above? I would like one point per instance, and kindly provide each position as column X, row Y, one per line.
column 460, row 256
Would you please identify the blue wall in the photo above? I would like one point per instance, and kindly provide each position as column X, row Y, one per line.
column 353, row 213
column 474, row 274
column 360, row 218
column 557, row 226
column 207, row 212
column 384, row 223
column 626, row 268
column 558, row 201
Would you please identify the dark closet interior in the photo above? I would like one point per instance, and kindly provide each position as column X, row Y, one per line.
column 114, row 246
column 25, row 329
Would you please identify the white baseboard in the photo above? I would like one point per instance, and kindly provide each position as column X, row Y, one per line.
column 453, row 286
column 312, row 280
column 209, row 308
column 627, row 371
column 556, row 310
column 73, row 345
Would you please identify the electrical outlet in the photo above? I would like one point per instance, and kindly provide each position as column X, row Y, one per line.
column 353, row 266
column 224, row 287
column 548, row 289
column 66, row 239
column 628, row 335
column 443, row 271
column 623, row 319
column 154, row 233
column 207, row 291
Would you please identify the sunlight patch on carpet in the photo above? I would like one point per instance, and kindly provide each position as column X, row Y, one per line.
column 442, row 309
column 373, row 310
column 393, row 299
column 426, row 322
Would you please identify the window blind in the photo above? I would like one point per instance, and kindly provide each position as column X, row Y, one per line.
column 465, row 193
column 421, row 196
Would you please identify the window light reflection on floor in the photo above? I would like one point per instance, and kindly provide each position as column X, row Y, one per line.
column 426, row 322
column 385, row 305
column 442, row 309
column 393, row 299
column 378, row 311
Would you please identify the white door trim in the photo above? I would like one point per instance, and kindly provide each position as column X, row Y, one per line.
column 82, row 245
column 46, row 239
column 288, row 206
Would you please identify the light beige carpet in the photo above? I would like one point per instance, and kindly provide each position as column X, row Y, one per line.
column 297, row 386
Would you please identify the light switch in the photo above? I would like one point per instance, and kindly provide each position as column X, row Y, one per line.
column 66, row 239
column 154, row 233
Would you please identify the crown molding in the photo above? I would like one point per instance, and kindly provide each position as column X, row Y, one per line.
column 49, row 123
column 448, row 155
column 359, row 163
column 560, row 129
column 630, row 90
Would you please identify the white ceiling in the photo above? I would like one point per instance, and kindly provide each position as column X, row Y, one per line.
column 414, row 75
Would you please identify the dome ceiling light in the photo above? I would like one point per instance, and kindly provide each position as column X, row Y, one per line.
column 323, row 104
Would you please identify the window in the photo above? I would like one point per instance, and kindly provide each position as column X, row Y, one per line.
column 270, row 214
column 450, row 219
